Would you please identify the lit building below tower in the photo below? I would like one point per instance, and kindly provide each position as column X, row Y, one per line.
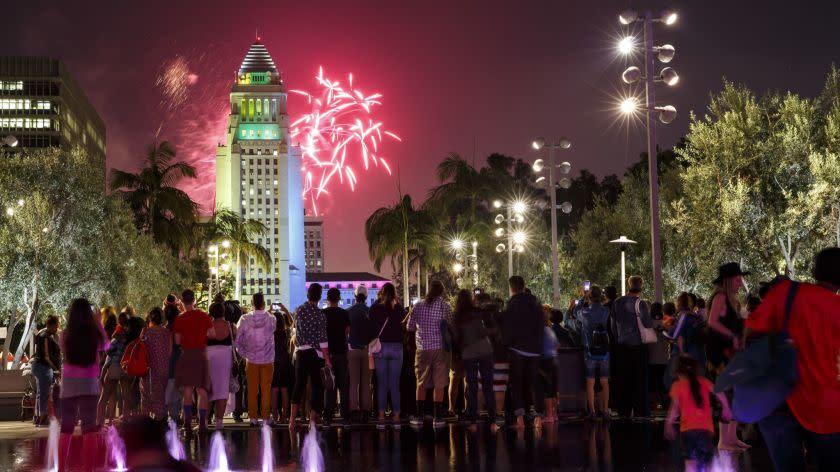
column 258, row 177
column 347, row 282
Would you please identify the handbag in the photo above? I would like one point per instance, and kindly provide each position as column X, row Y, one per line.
column 648, row 335
column 764, row 374
column 375, row 346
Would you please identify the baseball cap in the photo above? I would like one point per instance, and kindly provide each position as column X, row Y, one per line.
column 361, row 290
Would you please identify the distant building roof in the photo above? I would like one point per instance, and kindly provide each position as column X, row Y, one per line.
column 257, row 60
column 330, row 277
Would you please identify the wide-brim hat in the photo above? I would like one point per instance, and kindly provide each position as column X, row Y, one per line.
column 730, row 269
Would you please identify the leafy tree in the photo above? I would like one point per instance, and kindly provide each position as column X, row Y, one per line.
column 226, row 225
column 161, row 209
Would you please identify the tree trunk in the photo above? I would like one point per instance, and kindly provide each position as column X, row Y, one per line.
column 29, row 327
column 7, row 344
column 238, row 283
column 406, row 295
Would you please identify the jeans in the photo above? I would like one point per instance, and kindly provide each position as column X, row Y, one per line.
column 630, row 378
column 43, row 374
column 83, row 409
column 785, row 439
column 342, row 380
column 388, row 365
column 472, row 368
column 523, row 378
column 359, row 379
column 308, row 366
column 258, row 377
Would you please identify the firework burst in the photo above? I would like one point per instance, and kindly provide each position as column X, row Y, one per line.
column 338, row 130
column 174, row 81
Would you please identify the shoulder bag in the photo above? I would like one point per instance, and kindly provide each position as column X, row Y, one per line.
column 648, row 335
column 375, row 346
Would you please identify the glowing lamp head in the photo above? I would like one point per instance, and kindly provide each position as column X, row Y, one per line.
column 629, row 106
column 665, row 53
column 628, row 16
column 519, row 218
column 10, row 211
column 457, row 244
column 631, row 75
column 519, row 207
column 20, row 202
column 669, row 76
column 669, row 17
column 457, row 267
column 519, row 237
column 626, row 45
column 214, row 270
column 565, row 167
column 540, row 180
column 564, row 143
column 497, row 203
column 500, row 247
column 10, row 141
column 225, row 244
column 538, row 165
column 566, row 207
column 499, row 219
column 500, row 232
column 538, row 143
column 520, row 249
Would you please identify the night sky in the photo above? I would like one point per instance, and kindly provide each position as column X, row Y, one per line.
column 457, row 76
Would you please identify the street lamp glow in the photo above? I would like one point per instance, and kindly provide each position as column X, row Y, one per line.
column 214, row 270
column 627, row 17
column 500, row 247
column 519, row 218
column 497, row 203
column 669, row 18
column 519, row 237
column 20, row 202
column 10, row 211
column 538, row 143
column 629, row 106
column 519, row 207
column 538, row 165
column 457, row 267
column 626, row 45
column 500, row 232
column 225, row 244
column 667, row 113
column 475, row 244
column 457, row 244
column 669, row 76
column 499, row 219
column 520, row 249
column 631, row 75
column 540, row 180
column 665, row 53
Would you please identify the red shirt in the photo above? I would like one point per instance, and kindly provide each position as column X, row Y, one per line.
column 815, row 330
column 693, row 417
column 192, row 326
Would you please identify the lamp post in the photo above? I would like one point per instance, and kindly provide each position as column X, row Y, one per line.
column 623, row 242
column 516, row 237
column 667, row 113
column 562, row 143
column 10, row 141
column 216, row 266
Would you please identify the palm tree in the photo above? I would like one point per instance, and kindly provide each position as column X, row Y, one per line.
column 392, row 231
column 160, row 209
column 226, row 225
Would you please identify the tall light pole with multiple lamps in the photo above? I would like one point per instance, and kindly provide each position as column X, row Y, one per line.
column 565, row 167
column 465, row 265
column 216, row 265
column 667, row 113
column 516, row 236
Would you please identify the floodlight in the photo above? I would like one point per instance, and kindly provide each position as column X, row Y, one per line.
column 500, row 247
column 627, row 17
column 566, row 207
column 564, row 183
column 665, row 53
column 538, row 143
column 499, row 219
column 667, row 113
column 669, row 76
column 631, row 75
column 538, row 165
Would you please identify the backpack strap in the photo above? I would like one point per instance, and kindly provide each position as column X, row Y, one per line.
column 791, row 296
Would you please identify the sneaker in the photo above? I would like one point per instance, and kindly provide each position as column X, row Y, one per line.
column 438, row 422
column 415, row 421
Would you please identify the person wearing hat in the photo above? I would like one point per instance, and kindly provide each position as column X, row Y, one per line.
column 359, row 368
column 726, row 332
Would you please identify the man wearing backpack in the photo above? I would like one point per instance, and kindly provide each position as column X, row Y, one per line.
column 594, row 321
column 810, row 419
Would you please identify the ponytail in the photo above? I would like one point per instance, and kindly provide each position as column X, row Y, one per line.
column 687, row 367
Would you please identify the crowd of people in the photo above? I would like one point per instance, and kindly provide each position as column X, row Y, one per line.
column 380, row 363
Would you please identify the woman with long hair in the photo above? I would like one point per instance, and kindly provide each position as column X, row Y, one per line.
column 81, row 341
column 46, row 360
column 691, row 402
column 477, row 354
column 726, row 329
column 386, row 318
column 109, row 320
column 220, row 357
column 282, row 381
column 158, row 349
column 173, row 396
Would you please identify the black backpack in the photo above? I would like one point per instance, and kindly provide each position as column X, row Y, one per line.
column 599, row 345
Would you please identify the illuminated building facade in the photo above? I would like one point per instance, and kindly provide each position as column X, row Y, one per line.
column 258, row 176
column 346, row 283
column 313, row 237
column 42, row 106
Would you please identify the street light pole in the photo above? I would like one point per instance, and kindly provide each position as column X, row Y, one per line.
column 555, row 277
column 653, row 167
column 510, row 241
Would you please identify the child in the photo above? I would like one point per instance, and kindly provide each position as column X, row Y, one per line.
column 690, row 400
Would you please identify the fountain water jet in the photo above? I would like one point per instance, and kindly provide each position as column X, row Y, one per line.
column 267, row 455
column 311, row 457
column 218, row 456
column 722, row 463
column 173, row 441
column 116, row 448
column 52, row 446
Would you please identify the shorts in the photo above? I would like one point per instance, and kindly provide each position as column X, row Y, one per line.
column 698, row 445
column 597, row 368
column 431, row 368
column 501, row 374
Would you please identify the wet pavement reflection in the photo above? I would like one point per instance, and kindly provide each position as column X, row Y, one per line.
column 567, row 446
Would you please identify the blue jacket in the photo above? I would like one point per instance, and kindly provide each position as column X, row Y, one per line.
column 624, row 320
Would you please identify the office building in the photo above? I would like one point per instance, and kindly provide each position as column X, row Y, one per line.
column 313, row 236
column 42, row 106
column 258, row 177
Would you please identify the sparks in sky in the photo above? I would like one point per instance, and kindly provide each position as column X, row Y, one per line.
column 338, row 133
column 174, row 80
